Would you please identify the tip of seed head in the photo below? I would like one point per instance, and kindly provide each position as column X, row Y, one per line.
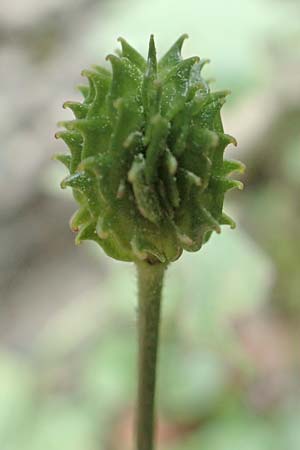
column 217, row 229
column 232, row 140
column 110, row 57
column 242, row 167
column 77, row 240
column 83, row 73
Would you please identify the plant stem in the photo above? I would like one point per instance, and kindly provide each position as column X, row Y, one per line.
column 150, row 282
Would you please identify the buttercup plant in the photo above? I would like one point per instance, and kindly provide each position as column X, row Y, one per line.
column 147, row 170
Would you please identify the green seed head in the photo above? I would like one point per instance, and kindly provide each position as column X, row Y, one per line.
column 146, row 164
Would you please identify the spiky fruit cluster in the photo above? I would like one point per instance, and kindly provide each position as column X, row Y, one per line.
column 146, row 163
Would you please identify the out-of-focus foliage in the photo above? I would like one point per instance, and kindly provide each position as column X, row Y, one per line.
column 77, row 388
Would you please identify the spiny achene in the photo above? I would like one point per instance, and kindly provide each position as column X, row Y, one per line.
column 146, row 164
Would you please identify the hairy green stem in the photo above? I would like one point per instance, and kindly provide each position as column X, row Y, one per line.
column 150, row 282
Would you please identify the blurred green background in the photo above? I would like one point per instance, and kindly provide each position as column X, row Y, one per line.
column 229, row 374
